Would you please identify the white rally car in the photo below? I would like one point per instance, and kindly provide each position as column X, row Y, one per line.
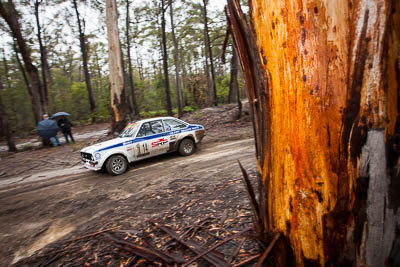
column 140, row 140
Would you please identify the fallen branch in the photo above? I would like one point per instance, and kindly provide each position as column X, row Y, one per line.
column 217, row 245
column 252, row 198
column 236, row 252
column 143, row 252
column 214, row 259
column 266, row 252
column 247, row 260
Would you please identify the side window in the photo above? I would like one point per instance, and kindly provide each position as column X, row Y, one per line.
column 150, row 128
column 157, row 127
column 171, row 124
column 144, row 130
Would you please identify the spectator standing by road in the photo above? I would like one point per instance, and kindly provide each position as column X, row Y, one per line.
column 48, row 129
column 65, row 124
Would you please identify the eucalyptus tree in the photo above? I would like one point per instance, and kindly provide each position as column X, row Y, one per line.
column 46, row 76
column 176, row 60
column 129, row 58
column 209, row 56
column 118, row 102
column 165, row 59
column 36, row 92
column 84, row 52
column 4, row 118
column 325, row 106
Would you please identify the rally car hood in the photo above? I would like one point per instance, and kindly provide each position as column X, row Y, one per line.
column 106, row 144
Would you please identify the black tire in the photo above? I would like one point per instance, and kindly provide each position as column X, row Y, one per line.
column 116, row 165
column 186, row 147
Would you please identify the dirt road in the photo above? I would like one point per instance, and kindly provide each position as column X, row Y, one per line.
column 35, row 211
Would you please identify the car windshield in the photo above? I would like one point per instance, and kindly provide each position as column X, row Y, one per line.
column 130, row 130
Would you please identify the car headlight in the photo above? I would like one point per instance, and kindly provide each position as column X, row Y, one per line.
column 97, row 156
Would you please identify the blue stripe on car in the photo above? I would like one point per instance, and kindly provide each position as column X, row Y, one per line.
column 140, row 139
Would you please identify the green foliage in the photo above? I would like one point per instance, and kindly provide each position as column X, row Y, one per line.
column 188, row 109
column 223, row 84
column 68, row 89
column 154, row 113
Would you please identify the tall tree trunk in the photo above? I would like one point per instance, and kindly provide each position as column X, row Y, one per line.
column 234, row 91
column 130, row 77
column 119, row 106
column 22, row 69
column 125, row 82
column 43, row 57
column 234, row 85
column 322, row 79
column 4, row 122
column 10, row 15
column 208, row 80
column 165, row 60
column 213, row 93
column 83, row 46
column 176, row 61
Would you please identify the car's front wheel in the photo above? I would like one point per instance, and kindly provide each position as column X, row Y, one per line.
column 116, row 165
column 186, row 147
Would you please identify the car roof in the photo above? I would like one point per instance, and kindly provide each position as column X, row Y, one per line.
column 156, row 118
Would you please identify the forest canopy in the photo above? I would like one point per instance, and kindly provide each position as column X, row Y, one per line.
column 68, row 47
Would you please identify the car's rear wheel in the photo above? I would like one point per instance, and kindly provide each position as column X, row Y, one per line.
column 186, row 147
column 116, row 165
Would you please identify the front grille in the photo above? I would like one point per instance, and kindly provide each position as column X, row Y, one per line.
column 87, row 156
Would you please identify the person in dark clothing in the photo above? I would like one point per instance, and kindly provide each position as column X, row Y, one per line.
column 65, row 126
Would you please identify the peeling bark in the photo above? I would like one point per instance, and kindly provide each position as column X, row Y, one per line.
column 323, row 85
column 119, row 106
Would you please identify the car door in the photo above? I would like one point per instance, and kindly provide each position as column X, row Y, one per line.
column 151, row 140
column 159, row 140
column 142, row 142
column 173, row 129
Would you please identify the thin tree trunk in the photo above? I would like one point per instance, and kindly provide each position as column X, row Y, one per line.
column 176, row 61
column 22, row 69
column 6, row 129
column 208, row 80
column 83, row 46
column 4, row 121
column 165, row 60
column 234, row 85
column 10, row 15
column 125, row 82
column 234, row 91
column 213, row 92
column 43, row 57
column 325, row 106
column 6, row 71
column 119, row 106
column 128, row 44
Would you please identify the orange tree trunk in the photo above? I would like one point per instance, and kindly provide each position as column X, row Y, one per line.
column 119, row 105
column 323, row 79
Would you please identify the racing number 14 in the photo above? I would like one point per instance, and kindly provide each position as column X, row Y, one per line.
column 143, row 151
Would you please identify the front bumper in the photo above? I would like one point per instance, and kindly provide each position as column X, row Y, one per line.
column 91, row 165
column 200, row 134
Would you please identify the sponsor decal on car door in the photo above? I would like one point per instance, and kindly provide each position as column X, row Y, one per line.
column 159, row 145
